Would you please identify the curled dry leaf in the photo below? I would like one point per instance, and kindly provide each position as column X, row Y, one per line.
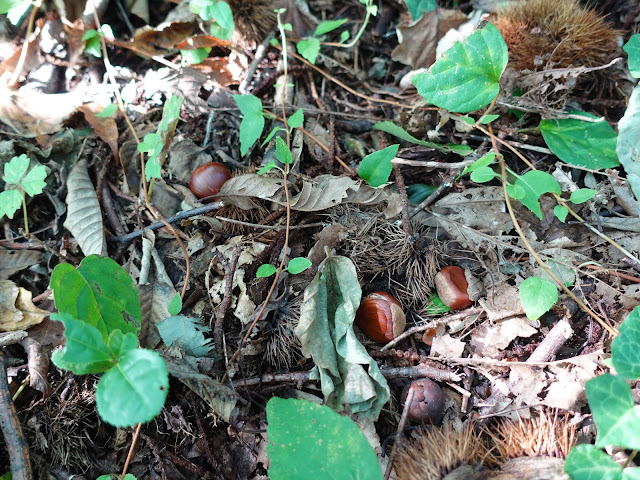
column 17, row 311
column 84, row 219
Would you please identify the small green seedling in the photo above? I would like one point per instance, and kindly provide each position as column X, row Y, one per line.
column 218, row 13
column 19, row 183
column 92, row 39
column 296, row 265
column 156, row 144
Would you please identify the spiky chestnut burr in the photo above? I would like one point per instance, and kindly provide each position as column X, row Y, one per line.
column 559, row 33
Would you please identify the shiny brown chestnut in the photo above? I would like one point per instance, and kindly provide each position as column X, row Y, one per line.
column 427, row 404
column 207, row 179
column 452, row 287
column 380, row 317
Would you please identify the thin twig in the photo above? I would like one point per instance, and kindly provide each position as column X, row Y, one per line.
column 400, row 429
column 230, row 270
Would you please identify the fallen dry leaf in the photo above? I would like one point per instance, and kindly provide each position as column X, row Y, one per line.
column 17, row 311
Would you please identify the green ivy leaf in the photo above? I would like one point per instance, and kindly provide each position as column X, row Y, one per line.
column 586, row 462
column 134, row 389
column 483, row 161
column 282, row 152
column 401, row 133
column 194, row 56
column 307, row 440
column 581, row 195
column 533, row 184
column 309, row 49
column 99, row 292
column 296, row 119
column 632, row 47
column 466, row 77
column 625, row 351
column 328, row 26
column 483, row 174
column 581, row 143
column 252, row 121
column 175, row 305
column 613, row 410
column 33, row 182
column 560, row 212
column 265, row 270
column 537, row 296
column 376, row 167
column 298, row 265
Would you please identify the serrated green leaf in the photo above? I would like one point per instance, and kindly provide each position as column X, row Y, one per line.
column 376, row 167
column 483, row 174
column 252, row 122
column 10, row 201
column 85, row 351
column 467, row 76
column 537, row 296
column 15, row 169
column 134, row 389
column 296, row 119
column 581, row 143
column 188, row 333
column 309, row 49
column 625, row 351
column 586, row 462
column 560, row 212
column 265, row 270
column 298, row 265
column 307, row 440
column 632, row 47
column 283, row 154
column 33, row 182
column 613, row 410
column 534, row 184
column 581, row 195
column 99, row 292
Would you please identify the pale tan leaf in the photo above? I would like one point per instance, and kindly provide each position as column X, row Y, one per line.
column 84, row 219
column 17, row 311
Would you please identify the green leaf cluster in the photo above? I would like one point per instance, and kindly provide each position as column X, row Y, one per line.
column 307, row 440
column 309, row 48
column 92, row 39
column 20, row 181
column 99, row 307
column 156, row 144
column 615, row 414
column 218, row 13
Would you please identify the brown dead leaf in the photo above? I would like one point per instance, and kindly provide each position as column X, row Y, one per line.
column 17, row 311
column 425, row 32
column 38, row 365
column 12, row 261
column 489, row 340
column 202, row 41
column 105, row 127
column 166, row 35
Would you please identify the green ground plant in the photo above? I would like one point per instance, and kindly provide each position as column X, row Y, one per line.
column 20, row 181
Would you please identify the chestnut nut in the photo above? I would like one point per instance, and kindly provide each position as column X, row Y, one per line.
column 452, row 286
column 207, row 179
column 427, row 404
column 380, row 317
